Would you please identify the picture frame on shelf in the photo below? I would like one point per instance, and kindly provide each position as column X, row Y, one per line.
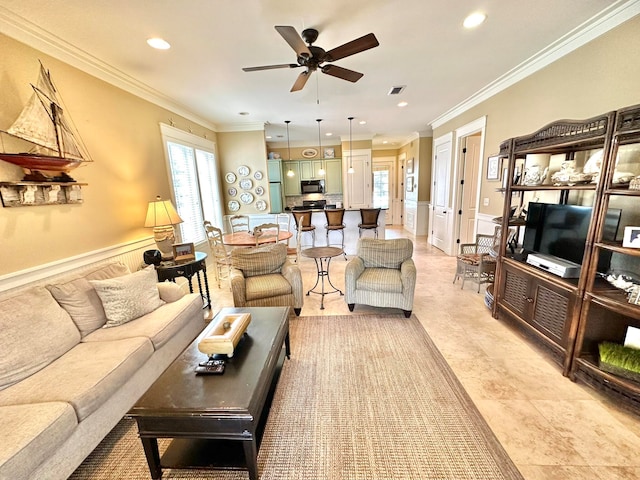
column 410, row 166
column 493, row 168
column 329, row 152
column 631, row 237
column 184, row 252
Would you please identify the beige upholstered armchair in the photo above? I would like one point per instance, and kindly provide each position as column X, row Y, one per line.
column 382, row 274
column 263, row 277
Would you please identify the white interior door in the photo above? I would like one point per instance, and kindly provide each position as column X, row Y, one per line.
column 469, row 203
column 441, row 234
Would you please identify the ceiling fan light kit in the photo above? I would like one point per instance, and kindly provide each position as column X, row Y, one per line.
column 313, row 58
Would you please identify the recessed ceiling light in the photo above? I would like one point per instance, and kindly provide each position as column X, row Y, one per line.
column 328, row 134
column 268, row 137
column 363, row 122
column 385, row 142
column 158, row 44
column 474, row 20
column 403, row 104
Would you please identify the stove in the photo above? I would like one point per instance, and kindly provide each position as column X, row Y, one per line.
column 311, row 205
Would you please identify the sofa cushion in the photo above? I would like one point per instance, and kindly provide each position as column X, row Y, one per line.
column 78, row 297
column 86, row 376
column 35, row 331
column 380, row 280
column 128, row 297
column 159, row 326
column 31, row 433
column 384, row 253
column 259, row 260
column 264, row 286
column 170, row 291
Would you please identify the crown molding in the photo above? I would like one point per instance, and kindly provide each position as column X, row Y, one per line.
column 609, row 18
column 32, row 35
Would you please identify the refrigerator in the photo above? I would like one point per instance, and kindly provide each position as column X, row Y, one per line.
column 275, row 197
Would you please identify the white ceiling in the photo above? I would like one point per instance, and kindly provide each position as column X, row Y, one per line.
column 422, row 45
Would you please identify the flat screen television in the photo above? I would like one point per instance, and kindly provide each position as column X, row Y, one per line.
column 561, row 230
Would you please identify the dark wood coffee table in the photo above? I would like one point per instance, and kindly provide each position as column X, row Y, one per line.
column 216, row 421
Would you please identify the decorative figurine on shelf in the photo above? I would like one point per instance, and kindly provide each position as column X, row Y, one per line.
column 535, row 175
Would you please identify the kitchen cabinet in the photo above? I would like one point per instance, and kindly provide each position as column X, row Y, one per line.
column 311, row 170
column 291, row 183
column 274, row 170
column 333, row 176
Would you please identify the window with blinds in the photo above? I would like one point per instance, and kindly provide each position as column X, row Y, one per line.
column 195, row 181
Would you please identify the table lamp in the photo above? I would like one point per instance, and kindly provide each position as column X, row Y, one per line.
column 162, row 216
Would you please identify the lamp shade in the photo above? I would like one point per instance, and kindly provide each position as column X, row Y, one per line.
column 160, row 213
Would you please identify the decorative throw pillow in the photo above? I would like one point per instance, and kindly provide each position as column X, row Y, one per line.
column 128, row 297
column 81, row 301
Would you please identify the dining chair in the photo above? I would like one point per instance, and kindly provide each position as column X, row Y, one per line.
column 221, row 256
column 302, row 220
column 239, row 223
column 368, row 220
column 293, row 253
column 266, row 233
column 284, row 222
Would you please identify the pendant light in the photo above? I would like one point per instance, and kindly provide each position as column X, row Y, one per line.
column 290, row 172
column 351, row 170
column 321, row 171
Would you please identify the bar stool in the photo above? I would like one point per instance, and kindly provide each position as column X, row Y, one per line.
column 335, row 224
column 369, row 220
column 302, row 220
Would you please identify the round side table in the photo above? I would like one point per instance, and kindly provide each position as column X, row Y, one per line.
column 322, row 256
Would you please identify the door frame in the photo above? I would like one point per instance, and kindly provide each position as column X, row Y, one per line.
column 446, row 139
column 477, row 126
column 391, row 161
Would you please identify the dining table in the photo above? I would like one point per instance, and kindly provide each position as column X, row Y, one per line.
column 246, row 239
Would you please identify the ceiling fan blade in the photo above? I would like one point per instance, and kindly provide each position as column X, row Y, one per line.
column 343, row 73
column 301, row 81
column 354, row 46
column 270, row 67
column 294, row 39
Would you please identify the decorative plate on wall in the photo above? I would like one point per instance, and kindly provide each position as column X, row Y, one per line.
column 243, row 170
column 233, row 192
column 246, row 198
column 233, row 206
column 259, row 191
column 258, row 175
column 230, row 177
column 246, row 184
column 261, row 205
column 309, row 152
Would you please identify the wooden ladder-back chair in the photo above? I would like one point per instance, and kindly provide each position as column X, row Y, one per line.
column 239, row 223
column 221, row 256
column 302, row 220
column 266, row 233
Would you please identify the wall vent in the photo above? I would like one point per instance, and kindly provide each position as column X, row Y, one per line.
column 397, row 90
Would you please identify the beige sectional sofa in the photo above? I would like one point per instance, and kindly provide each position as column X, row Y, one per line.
column 66, row 379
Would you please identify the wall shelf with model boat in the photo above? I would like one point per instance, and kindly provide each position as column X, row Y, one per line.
column 23, row 194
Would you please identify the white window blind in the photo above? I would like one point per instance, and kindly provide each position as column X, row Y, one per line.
column 194, row 180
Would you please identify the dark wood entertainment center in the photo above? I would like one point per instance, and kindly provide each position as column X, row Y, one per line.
column 570, row 317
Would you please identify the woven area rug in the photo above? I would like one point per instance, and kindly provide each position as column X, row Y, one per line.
column 362, row 397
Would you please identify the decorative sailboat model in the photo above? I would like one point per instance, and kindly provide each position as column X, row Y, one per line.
column 48, row 139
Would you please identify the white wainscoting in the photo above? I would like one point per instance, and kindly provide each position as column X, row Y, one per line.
column 128, row 253
column 416, row 217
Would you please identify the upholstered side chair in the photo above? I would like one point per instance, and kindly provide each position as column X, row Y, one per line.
column 382, row 274
column 263, row 277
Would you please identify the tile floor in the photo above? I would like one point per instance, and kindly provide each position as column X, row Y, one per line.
column 551, row 427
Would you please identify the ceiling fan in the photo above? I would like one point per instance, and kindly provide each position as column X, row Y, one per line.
column 313, row 57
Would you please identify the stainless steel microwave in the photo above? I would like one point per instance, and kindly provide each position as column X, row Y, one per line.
column 312, row 186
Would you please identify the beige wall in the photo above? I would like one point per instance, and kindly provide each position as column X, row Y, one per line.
column 601, row 76
column 122, row 134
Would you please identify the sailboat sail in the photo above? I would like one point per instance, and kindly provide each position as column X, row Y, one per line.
column 42, row 123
